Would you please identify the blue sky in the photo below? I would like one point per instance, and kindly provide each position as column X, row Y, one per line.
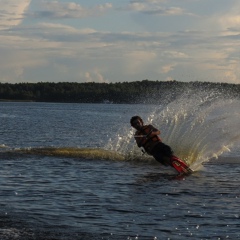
column 119, row 40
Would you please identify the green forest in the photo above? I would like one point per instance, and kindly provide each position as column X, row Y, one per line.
column 144, row 91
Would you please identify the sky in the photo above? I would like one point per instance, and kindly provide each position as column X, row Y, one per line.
column 119, row 40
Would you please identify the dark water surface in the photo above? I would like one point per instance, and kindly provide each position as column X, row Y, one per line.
column 65, row 197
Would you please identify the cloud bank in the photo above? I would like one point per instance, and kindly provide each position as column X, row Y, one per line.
column 70, row 41
column 12, row 12
column 56, row 9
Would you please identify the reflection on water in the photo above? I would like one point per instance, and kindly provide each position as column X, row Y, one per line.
column 116, row 200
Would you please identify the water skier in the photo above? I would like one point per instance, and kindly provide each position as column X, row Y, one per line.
column 147, row 137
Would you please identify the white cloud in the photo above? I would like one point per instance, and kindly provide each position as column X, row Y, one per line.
column 137, row 61
column 222, row 70
column 137, row 6
column 148, row 1
column 55, row 9
column 12, row 12
column 174, row 54
column 16, row 63
column 167, row 68
column 156, row 8
column 228, row 19
column 230, row 22
column 220, row 46
column 94, row 76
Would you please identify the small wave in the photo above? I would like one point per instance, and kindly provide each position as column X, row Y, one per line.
column 3, row 146
column 88, row 153
column 74, row 152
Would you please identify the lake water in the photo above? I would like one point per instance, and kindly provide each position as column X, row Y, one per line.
column 50, row 189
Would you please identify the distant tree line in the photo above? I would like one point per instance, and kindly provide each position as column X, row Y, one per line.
column 144, row 91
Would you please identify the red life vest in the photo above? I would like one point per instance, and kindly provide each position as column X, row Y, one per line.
column 147, row 143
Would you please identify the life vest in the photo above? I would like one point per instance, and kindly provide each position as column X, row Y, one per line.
column 147, row 143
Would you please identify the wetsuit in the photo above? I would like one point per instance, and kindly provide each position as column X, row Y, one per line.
column 153, row 145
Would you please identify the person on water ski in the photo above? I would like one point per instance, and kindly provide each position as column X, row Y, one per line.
column 147, row 137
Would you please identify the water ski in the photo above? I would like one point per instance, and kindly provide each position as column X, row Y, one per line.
column 180, row 166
